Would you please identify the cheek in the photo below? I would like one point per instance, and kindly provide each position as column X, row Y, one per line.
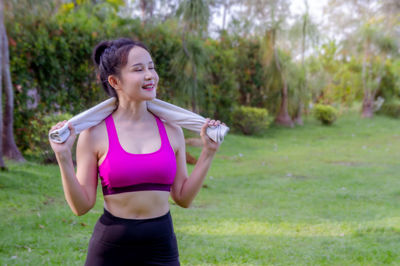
column 136, row 78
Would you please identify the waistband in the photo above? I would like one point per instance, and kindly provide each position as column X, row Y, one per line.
column 110, row 217
column 107, row 190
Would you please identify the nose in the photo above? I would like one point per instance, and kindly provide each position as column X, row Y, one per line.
column 148, row 74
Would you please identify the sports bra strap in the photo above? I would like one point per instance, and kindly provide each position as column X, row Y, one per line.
column 113, row 136
column 162, row 131
column 112, row 133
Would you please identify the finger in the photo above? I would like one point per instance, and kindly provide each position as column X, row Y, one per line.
column 60, row 124
column 71, row 128
column 204, row 127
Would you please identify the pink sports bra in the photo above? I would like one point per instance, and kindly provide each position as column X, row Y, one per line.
column 122, row 171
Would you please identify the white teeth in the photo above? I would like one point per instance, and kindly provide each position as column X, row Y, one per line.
column 148, row 86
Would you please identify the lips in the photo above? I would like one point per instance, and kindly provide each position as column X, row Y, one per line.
column 149, row 87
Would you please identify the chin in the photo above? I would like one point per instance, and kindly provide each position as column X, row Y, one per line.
column 152, row 97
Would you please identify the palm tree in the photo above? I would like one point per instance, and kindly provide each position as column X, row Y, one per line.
column 269, row 17
column 195, row 16
column 371, row 34
column 376, row 46
column 303, row 36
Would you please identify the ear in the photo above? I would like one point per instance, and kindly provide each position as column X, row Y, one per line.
column 114, row 81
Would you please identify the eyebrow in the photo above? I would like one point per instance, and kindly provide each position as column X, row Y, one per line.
column 140, row 64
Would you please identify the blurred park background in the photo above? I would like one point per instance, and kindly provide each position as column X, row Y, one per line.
column 310, row 89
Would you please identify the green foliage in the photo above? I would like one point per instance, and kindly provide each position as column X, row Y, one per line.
column 164, row 44
column 249, row 72
column 53, row 57
column 51, row 46
column 390, row 84
column 38, row 140
column 325, row 113
column 250, row 120
column 390, row 108
column 222, row 89
column 332, row 79
column 195, row 15
column 189, row 66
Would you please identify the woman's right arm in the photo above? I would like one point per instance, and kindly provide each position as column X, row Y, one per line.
column 80, row 189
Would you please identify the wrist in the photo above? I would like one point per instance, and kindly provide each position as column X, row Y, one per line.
column 63, row 156
column 208, row 152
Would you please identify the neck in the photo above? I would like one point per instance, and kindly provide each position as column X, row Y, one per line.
column 133, row 111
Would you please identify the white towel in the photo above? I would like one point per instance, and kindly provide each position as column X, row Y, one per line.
column 166, row 111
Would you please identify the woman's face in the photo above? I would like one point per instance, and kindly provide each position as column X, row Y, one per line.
column 139, row 77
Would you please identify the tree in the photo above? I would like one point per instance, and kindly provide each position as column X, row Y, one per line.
column 147, row 8
column 274, row 14
column 269, row 18
column 375, row 48
column 301, row 37
column 195, row 16
column 7, row 142
column 370, row 35
column 226, row 6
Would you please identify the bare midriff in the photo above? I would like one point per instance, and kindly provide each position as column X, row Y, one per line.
column 138, row 204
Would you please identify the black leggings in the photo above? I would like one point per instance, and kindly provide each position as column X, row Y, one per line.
column 118, row 241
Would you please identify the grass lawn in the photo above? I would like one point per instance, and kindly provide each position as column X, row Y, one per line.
column 313, row 195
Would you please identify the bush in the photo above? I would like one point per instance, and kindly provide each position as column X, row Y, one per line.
column 250, row 120
column 391, row 108
column 325, row 113
column 38, row 140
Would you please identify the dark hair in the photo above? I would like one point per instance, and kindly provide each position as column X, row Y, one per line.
column 110, row 57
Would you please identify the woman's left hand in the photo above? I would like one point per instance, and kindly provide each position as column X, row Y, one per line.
column 208, row 144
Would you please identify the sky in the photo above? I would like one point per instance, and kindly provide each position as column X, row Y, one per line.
column 315, row 8
column 297, row 7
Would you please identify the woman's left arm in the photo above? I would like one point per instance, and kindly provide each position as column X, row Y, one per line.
column 185, row 188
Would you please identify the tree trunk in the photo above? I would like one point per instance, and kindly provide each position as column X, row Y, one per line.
column 368, row 106
column 2, row 28
column 9, row 148
column 298, row 120
column 147, row 10
column 224, row 15
column 368, row 101
column 283, row 118
column 143, row 7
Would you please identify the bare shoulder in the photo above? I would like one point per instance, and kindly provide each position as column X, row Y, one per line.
column 94, row 138
column 175, row 135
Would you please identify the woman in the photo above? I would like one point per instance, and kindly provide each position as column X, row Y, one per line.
column 140, row 161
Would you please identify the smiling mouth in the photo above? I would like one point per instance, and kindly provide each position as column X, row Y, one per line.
column 148, row 87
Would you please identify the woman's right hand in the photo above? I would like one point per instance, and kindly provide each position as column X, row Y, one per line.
column 65, row 147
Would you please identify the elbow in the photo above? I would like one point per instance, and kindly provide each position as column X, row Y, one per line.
column 80, row 212
column 185, row 204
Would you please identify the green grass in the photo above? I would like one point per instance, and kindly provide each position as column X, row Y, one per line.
column 313, row 195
